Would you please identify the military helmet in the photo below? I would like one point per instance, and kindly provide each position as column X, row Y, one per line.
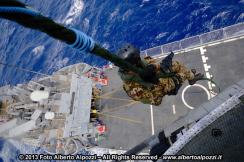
column 129, row 53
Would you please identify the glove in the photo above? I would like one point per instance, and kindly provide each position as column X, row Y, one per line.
column 149, row 74
column 166, row 63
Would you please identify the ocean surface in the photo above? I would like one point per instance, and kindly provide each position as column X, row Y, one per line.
column 112, row 23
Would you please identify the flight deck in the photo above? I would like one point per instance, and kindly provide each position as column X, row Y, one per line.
column 130, row 122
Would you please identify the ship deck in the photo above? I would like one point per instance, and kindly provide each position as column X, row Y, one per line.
column 130, row 122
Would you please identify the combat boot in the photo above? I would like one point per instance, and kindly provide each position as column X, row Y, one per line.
column 166, row 63
column 194, row 71
column 196, row 78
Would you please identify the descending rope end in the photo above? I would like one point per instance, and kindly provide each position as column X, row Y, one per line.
column 83, row 42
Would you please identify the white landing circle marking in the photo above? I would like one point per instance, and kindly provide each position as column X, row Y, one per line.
column 196, row 85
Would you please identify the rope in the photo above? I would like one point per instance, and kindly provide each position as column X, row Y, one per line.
column 114, row 98
column 23, row 69
column 121, row 107
column 36, row 21
column 16, row 11
column 12, row 3
column 20, row 10
column 122, row 118
column 110, row 92
column 83, row 42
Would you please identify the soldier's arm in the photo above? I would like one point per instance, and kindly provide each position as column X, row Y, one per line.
column 132, row 77
column 151, row 68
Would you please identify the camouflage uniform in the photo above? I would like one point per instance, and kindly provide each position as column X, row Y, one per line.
column 153, row 93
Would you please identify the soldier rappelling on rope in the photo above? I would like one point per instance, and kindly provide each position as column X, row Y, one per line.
column 144, row 79
column 146, row 87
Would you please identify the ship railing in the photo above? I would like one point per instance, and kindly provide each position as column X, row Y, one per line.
column 220, row 35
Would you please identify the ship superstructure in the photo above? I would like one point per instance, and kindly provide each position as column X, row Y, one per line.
column 54, row 112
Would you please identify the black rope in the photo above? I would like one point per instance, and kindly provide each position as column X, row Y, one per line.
column 58, row 31
column 43, row 24
column 12, row 3
column 64, row 34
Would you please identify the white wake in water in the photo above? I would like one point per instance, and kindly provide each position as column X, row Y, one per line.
column 74, row 12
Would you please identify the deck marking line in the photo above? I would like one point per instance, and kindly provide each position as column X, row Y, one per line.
column 208, row 75
column 206, row 67
column 210, row 86
column 202, row 50
column 204, row 59
column 207, row 70
column 152, row 121
column 173, row 107
column 230, row 40
column 213, row 44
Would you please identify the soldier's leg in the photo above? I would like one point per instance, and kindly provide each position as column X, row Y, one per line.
column 164, row 86
column 182, row 71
